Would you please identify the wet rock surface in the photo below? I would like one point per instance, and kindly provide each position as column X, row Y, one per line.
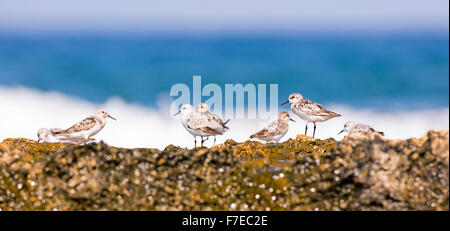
column 357, row 173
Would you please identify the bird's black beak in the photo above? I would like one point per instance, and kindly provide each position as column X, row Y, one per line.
column 177, row 113
column 291, row 120
column 111, row 117
column 287, row 101
column 341, row 132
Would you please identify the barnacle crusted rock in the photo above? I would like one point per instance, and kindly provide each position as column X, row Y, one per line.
column 357, row 173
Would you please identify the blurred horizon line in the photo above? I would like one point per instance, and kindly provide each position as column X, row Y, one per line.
column 416, row 33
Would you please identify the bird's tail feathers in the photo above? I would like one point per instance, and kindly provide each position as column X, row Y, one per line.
column 225, row 123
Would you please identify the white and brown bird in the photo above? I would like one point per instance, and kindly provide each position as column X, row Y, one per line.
column 359, row 129
column 200, row 123
column 212, row 120
column 275, row 130
column 309, row 111
column 82, row 131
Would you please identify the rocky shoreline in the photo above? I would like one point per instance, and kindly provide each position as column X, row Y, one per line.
column 357, row 173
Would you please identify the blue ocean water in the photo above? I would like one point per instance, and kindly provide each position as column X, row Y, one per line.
column 382, row 73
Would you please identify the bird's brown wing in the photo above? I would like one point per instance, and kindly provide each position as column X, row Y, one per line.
column 262, row 133
column 269, row 130
column 315, row 109
column 214, row 118
column 210, row 130
column 85, row 124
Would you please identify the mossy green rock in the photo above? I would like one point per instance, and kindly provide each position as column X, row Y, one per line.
column 357, row 173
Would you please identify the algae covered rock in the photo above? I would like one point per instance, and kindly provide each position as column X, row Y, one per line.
column 372, row 173
column 31, row 146
column 357, row 173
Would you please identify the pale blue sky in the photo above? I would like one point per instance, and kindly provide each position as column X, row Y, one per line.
column 223, row 16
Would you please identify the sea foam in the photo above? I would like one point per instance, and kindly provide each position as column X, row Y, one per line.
column 23, row 111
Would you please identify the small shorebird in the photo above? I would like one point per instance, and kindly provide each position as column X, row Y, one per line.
column 196, row 124
column 309, row 111
column 358, row 128
column 85, row 129
column 213, row 121
column 275, row 130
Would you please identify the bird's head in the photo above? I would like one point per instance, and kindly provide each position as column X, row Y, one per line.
column 43, row 134
column 284, row 116
column 347, row 127
column 102, row 114
column 203, row 107
column 293, row 98
column 185, row 109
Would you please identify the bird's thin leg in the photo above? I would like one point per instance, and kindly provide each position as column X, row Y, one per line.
column 86, row 139
column 202, row 141
column 214, row 141
column 306, row 128
column 314, row 130
column 195, row 142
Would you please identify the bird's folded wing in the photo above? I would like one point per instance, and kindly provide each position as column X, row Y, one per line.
column 262, row 133
column 325, row 113
column 212, row 118
column 272, row 127
column 309, row 106
column 314, row 109
column 85, row 124
column 210, row 130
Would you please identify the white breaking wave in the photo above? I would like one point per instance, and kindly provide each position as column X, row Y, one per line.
column 23, row 111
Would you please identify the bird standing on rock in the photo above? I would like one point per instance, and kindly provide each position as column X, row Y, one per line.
column 275, row 130
column 309, row 111
column 213, row 121
column 201, row 123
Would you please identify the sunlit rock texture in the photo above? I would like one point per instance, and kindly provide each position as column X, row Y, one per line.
column 357, row 173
